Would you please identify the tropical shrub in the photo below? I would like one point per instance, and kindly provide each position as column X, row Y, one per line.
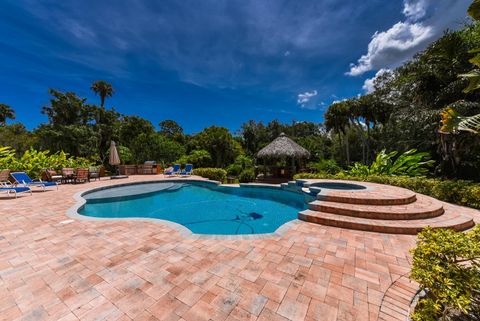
column 328, row 166
column 148, row 147
column 234, row 169
column 246, row 176
column 461, row 192
column 125, row 154
column 33, row 162
column 198, row 158
column 410, row 163
column 214, row 174
column 241, row 163
column 7, row 156
column 446, row 264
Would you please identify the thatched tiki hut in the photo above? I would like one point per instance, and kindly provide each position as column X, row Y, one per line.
column 285, row 152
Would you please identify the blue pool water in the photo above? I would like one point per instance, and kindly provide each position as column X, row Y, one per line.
column 203, row 209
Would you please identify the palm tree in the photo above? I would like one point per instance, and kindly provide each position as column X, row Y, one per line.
column 452, row 122
column 6, row 112
column 103, row 89
column 474, row 76
column 337, row 119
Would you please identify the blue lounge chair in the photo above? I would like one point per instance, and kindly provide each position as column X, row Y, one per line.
column 175, row 170
column 15, row 190
column 23, row 179
column 187, row 171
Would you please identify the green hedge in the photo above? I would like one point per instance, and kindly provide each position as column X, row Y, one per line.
column 465, row 193
column 215, row 174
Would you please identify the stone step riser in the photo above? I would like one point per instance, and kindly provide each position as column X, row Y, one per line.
column 377, row 214
column 373, row 225
column 362, row 201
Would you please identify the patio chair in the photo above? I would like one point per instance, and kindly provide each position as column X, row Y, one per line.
column 93, row 173
column 6, row 188
column 23, row 179
column 187, row 171
column 51, row 175
column 174, row 171
column 4, row 174
column 81, row 175
column 68, row 175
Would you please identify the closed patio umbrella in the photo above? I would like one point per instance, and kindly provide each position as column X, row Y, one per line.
column 114, row 159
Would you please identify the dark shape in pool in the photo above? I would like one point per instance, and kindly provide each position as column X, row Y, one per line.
column 255, row 216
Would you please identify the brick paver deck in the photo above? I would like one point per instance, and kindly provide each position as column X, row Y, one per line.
column 56, row 268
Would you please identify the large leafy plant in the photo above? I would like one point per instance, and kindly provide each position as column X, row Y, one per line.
column 7, row 157
column 410, row 163
column 451, row 121
column 474, row 75
column 33, row 161
column 446, row 264
column 329, row 166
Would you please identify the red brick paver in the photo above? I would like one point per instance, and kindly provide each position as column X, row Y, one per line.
column 56, row 268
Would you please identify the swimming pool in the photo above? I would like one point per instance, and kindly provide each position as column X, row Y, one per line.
column 201, row 207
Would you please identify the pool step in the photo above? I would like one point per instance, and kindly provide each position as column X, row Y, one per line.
column 450, row 219
column 423, row 207
column 291, row 186
column 400, row 197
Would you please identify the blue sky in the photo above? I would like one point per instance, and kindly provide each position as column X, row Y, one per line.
column 210, row 62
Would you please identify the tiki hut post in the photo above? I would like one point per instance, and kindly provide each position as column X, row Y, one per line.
column 283, row 147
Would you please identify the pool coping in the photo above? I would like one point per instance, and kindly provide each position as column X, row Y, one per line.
column 184, row 232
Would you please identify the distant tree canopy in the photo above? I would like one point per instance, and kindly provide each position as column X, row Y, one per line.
column 170, row 129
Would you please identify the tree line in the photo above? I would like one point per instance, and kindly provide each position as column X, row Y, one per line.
column 82, row 129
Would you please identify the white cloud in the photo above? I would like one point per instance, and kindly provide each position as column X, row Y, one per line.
column 369, row 83
column 415, row 9
column 386, row 46
column 339, row 101
column 425, row 21
column 306, row 101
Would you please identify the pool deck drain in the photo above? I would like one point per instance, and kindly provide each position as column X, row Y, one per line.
column 134, row 270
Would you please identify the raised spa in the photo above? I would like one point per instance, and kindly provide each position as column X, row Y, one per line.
column 203, row 208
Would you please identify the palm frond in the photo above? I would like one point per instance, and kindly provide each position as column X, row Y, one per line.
column 470, row 124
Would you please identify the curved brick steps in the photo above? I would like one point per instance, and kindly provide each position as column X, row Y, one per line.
column 373, row 195
column 423, row 207
column 381, row 208
column 450, row 219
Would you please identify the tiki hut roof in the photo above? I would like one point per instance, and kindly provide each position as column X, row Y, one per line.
column 282, row 146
